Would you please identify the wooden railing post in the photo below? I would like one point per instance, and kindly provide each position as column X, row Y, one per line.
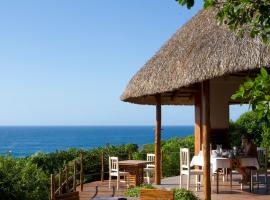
column 81, row 173
column 60, row 182
column 102, row 167
column 52, row 188
column 74, row 176
column 161, row 164
column 67, row 179
column 129, row 156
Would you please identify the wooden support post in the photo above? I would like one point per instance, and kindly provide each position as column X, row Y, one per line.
column 129, row 155
column 81, row 173
column 206, row 133
column 67, row 180
column 102, row 167
column 198, row 124
column 161, row 164
column 157, row 140
column 52, row 188
column 60, row 182
column 74, row 176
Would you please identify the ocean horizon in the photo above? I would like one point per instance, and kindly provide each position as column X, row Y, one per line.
column 22, row 141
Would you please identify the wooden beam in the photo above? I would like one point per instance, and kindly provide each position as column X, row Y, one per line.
column 157, row 140
column 74, row 176
column 206, row 134
column 52, row 195
column 81, row 172
column 67, row 179
column 198, row 123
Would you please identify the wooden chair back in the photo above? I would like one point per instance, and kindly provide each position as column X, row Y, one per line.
column 68, row 196
column 150, row 157
column 156, row 194
column 262, row 157
column 184, row 159
column 113, row 165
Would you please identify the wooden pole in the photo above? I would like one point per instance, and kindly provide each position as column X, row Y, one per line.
column 102, row 167
column 60, row 182
column 52, row 188
column 81, row 173
column 67, row 181
column 157, row 140
column 74, row 176
column 161, row 164
column 198, row 123
column 129, row 155
column 206, row 133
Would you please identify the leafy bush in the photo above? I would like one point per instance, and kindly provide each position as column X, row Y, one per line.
column 179, row 194
column 183, row 194
column 21, row 179
column 247, row 124
column 135, row 191
column 171, row 156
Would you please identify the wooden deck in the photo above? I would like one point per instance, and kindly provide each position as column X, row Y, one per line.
column 226, row 193
column 90, row 191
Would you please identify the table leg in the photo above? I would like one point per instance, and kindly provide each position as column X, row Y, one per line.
column 217, row 181
column 250, row 182
column 137, row 176
column 142, row 181
column 231, row 178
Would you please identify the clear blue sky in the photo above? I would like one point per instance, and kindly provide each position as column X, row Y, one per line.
column 67, row 62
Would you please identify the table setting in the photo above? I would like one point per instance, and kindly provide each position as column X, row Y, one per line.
column 225, row 159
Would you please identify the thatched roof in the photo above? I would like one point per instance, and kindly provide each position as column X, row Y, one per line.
column 198, row 51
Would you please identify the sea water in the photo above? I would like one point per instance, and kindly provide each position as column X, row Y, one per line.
column 22, row 141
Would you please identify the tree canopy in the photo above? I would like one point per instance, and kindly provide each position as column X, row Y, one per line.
column 241, row 16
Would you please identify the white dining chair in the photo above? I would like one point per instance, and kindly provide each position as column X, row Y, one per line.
column 150, row 167
column 114, row 172
column 262, row 160
column 185, row 169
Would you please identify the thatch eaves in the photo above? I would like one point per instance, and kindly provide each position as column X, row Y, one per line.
column 200, row 50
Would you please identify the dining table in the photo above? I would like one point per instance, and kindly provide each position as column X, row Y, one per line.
column 135, row 169
column 218, row 162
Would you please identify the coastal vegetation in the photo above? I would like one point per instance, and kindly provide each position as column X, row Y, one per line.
column 28, row 178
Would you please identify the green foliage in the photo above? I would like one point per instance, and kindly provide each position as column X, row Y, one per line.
column 21, row 179
column 188, row 3
column 241, row 15
column 28, row 178
column 248, row 124
column 135, row 191
column 266, row 138
column 171, row 157
column 171, row 149
column 257, row 93
column 179, row 194
column 183, row 194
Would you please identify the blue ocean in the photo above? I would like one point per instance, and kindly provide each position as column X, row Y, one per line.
column 21, row 141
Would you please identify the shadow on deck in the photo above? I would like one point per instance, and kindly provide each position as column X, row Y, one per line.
column 101, row 189
column 225, row 191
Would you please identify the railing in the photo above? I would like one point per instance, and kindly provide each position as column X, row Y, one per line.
column 64, row 178
column 66, row 184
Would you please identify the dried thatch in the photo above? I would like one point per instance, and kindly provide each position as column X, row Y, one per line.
column 198, row 51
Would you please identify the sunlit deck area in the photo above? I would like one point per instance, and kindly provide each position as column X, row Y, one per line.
column 225, row 191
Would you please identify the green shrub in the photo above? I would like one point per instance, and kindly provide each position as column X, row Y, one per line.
column 183, row 194
column 21, row 179
column 135, row 191
column 171, row 156
column 247, row 124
